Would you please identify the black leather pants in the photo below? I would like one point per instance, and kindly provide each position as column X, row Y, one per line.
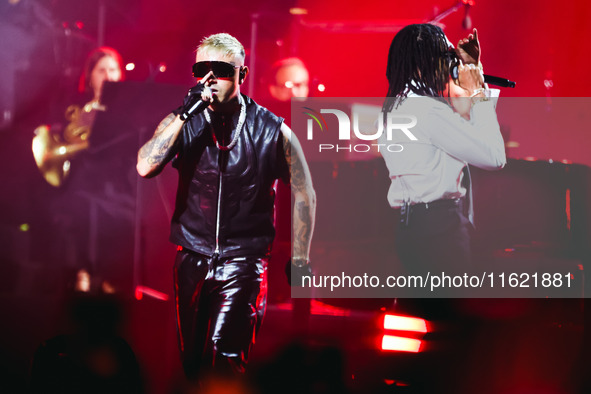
column 220, row 305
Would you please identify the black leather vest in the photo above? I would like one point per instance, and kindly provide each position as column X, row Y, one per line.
column 228, row 193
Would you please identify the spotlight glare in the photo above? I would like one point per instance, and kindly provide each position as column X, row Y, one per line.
column 298, row 11
column 141, row 290
column 404, row 323
column 130, row 66
column 401, row 344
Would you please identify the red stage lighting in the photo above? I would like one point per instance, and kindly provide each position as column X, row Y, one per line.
column 409, row 331
column 401, row 344
column 404, row 323
column 141, row 290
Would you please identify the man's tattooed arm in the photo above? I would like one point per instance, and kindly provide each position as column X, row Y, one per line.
column 160, row 148
column 305, row 198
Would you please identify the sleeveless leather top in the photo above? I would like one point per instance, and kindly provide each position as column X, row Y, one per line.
column 225, row 199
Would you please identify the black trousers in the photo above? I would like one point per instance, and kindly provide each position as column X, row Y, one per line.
column 220, row 304
column 434, row 237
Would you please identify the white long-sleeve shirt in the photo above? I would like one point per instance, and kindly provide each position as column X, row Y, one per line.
column 430, row 168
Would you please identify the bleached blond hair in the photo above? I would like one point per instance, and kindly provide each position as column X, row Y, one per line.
column 224, row 43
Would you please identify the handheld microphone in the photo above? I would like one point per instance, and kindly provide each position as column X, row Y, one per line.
column 497, row 81
column 199, row 106
column 490, row 79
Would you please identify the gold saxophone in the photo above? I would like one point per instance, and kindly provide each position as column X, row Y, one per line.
column 53, row 150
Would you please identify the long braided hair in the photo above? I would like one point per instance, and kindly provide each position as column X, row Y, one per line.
column 419, row 62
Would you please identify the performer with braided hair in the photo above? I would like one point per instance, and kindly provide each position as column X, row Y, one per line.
column 456, row 126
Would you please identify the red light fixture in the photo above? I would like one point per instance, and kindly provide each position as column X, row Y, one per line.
column 401, row 344
column 403, row 333
column 141, row 290
column 404, row 323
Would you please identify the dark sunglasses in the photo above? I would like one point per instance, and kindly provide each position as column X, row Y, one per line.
column 220, row 69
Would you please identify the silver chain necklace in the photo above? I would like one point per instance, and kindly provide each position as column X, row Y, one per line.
column 241, row 120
